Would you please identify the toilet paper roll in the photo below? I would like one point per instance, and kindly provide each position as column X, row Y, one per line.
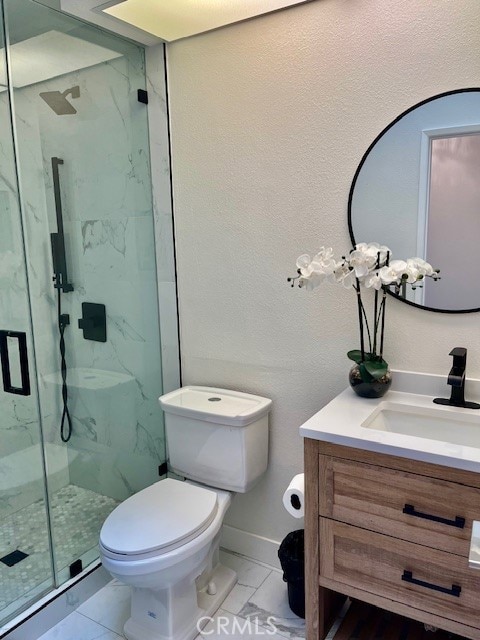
column 294, row 496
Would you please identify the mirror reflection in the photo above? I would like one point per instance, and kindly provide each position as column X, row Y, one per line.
column 417, row 190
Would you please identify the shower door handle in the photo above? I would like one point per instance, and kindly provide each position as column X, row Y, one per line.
column 24, row 390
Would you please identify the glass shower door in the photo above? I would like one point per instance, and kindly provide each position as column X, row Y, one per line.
column 25, row 550
column 82, row 144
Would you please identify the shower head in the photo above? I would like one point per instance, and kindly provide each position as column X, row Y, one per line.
column 58, row 102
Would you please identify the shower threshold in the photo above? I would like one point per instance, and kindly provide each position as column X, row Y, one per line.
column 51, row 607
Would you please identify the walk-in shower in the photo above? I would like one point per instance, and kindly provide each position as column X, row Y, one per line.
column 80, row 425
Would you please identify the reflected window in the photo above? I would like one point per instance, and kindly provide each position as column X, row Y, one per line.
column 453, row 219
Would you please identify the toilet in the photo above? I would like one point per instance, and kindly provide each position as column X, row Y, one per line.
column 164, row 541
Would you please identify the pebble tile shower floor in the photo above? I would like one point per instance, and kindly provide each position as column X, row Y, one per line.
column 77, row 515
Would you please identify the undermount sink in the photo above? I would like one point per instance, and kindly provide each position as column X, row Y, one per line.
column 456, row 426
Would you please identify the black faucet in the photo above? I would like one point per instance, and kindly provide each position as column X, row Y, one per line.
column 456, row 379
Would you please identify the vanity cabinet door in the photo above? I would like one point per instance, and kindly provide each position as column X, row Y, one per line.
column 424, row 579
column 424, row 510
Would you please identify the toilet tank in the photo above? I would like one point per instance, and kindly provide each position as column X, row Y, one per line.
column 216, row 436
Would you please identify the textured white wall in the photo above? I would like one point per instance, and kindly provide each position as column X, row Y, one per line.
column 269, row 121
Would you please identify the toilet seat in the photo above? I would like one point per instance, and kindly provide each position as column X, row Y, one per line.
column 158, row 519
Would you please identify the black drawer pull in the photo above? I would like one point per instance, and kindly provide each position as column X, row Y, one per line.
column 459, row 522
column 454, row 591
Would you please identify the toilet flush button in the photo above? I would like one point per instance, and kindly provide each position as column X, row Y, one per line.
column 211, row 588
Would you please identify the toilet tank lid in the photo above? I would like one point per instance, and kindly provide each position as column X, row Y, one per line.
column 221, row 406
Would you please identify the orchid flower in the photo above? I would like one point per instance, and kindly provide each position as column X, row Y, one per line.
column 369, row 266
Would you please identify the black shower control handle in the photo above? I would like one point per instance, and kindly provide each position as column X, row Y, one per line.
column 88, row 323
column 93, row 322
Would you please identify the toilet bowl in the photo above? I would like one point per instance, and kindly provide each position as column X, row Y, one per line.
column 164, row 541
column 170, row 561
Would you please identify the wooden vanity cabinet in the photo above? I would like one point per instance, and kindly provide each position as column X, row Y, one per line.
column 392, row 532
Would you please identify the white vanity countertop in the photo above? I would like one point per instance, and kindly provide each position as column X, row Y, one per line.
column 340, row 421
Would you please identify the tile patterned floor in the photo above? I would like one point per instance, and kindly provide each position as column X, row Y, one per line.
column 259, row 594
column 26, row 530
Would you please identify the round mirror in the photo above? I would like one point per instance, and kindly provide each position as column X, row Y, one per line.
column 417, row 190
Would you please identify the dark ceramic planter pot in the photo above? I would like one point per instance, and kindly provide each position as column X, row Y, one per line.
column 369, row 388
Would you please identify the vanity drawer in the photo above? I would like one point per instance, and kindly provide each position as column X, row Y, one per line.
column 420, row 509
column 426, row 579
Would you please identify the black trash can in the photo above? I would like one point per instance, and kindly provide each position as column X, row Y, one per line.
column 292, row 556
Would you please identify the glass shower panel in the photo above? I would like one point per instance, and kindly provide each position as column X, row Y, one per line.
column 83, row 154
column 25, row 551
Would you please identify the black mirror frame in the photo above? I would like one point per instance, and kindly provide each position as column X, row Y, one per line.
column 359, row 168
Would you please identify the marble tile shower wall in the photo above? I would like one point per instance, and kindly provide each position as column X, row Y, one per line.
column 118, row 438
column 19, row 429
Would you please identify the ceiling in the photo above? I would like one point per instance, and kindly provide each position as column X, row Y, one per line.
column 152, row 21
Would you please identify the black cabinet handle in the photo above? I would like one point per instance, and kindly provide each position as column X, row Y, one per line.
column 24, row 390
column 459, row 522
column 455, row 590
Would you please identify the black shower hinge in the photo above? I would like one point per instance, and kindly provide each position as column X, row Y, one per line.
column 142, row 96
column 75, row 568
column 162, row 469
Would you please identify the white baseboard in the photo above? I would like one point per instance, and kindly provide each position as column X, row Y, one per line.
column 250, row 545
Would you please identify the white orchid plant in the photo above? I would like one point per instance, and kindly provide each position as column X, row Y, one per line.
column 367, row 266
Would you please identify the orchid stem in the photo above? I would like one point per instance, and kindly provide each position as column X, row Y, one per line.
column 362, row 315
column 382, row 330
column 360, row 320
column 375, row 312
column 367, row 325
